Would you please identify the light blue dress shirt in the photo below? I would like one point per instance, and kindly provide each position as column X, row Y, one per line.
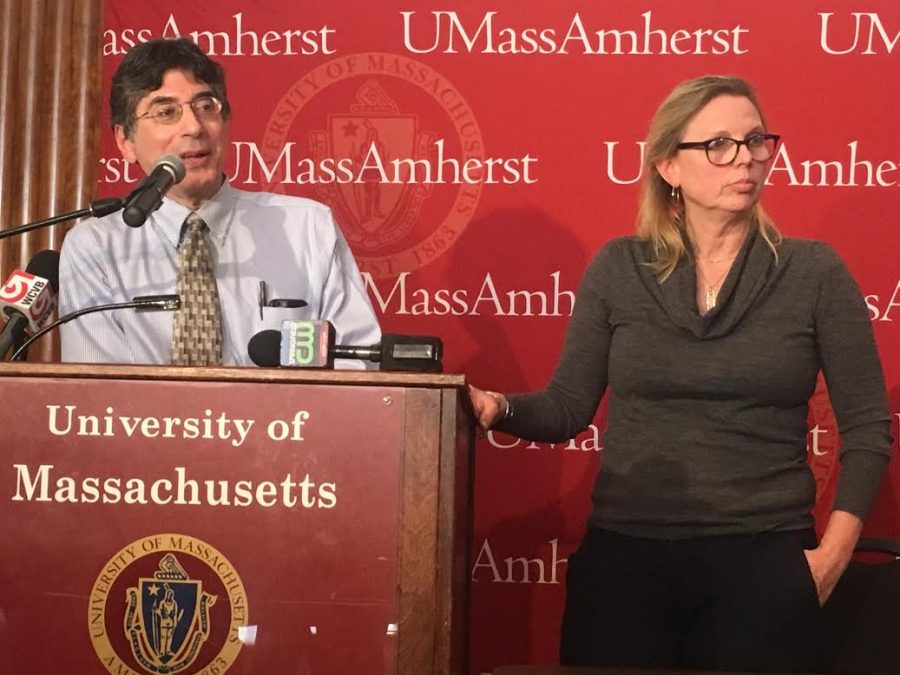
column 291, row 243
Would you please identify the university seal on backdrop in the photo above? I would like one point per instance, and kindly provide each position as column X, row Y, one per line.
column 167, row 603
column 373, row 213
column 387, row 136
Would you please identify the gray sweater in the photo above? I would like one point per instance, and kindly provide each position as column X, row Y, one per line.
column 707, row 419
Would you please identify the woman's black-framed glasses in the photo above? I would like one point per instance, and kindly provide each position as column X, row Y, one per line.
column 723, row 150
column 205, row 107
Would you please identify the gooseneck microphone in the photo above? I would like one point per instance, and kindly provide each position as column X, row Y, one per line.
column 310, row 344
column 143, row 200
column 144, row 303
column 147, row 196
column 28, row 298
column 97, row 208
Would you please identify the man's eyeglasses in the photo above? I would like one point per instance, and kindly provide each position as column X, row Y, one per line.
column 205, row 107
column 724, row 150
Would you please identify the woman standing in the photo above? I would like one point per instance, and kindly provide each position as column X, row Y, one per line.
column 709, row 329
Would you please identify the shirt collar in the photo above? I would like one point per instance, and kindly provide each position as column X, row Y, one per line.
column 217, row 213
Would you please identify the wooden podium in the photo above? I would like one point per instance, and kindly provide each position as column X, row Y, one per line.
column 179, row 520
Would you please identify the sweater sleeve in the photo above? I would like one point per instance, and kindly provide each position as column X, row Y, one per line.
column 568, row 403
column 856, row 387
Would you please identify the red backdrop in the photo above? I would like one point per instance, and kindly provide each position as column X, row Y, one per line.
column 531, row 119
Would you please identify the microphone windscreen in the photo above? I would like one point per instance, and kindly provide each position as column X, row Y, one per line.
column 175, row 163
column 45, row 264
column 264, row 348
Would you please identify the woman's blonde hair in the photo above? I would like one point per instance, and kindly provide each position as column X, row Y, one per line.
column 660, row 215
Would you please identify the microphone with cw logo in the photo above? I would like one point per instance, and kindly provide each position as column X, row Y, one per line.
column 28, row 299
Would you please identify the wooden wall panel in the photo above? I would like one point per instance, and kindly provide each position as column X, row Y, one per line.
column 51, row 114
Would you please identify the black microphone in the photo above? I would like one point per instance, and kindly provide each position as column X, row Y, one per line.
column 310, row 344
column 28, row 298
column 147, row 196
column 143, row 303
column 97, row 208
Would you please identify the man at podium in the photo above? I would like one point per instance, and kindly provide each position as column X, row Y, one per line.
column 241, row 262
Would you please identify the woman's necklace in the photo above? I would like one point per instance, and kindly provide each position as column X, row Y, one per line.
column 712, row 290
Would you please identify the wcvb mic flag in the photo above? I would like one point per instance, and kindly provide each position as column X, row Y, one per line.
column 29, row 294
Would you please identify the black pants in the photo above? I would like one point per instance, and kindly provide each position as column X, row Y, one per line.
column 742, row 602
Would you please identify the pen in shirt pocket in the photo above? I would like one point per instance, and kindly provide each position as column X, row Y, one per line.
column 263, row 297
column 288, row 303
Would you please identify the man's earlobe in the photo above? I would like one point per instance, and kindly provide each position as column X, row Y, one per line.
column 124, row 144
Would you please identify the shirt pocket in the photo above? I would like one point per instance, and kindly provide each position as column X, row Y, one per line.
column 272, row 317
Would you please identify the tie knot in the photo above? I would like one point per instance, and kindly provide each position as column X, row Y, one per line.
column 194, row 221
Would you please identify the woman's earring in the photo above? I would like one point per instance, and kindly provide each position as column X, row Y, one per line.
column 675, row 194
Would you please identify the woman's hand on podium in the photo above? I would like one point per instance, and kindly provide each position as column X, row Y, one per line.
column 489, row 406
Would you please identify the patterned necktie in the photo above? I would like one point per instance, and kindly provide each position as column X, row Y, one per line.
column 197, row 326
